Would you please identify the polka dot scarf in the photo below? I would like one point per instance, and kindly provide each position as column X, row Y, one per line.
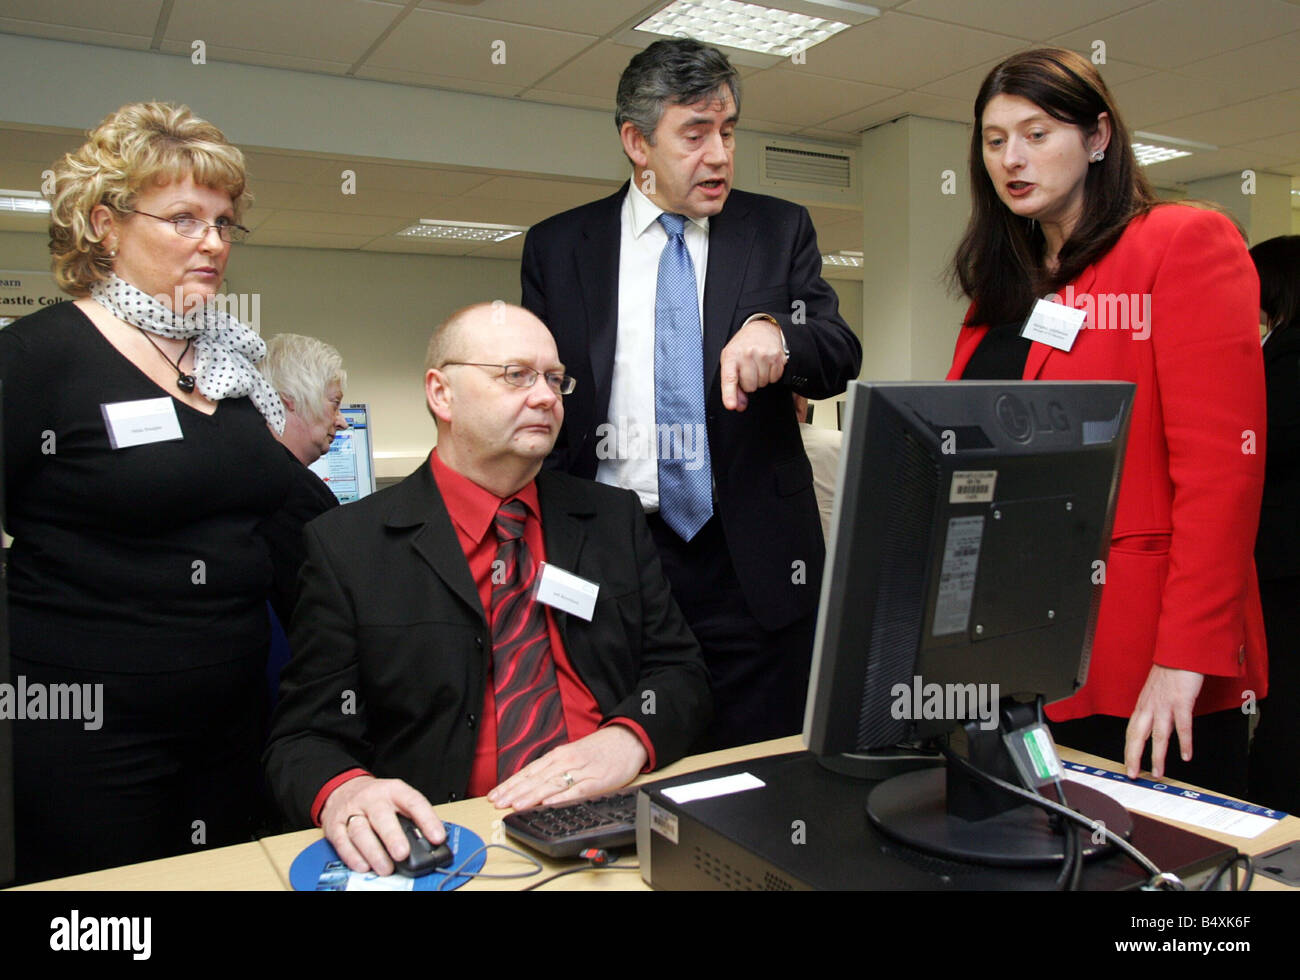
column 225, row 351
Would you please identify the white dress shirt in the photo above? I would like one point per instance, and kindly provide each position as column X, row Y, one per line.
column 627, row 446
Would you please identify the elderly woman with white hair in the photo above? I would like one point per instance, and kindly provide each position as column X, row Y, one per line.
column 309, row 377
column 308, row 373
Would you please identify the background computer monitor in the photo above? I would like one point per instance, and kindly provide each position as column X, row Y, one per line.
column 348, row 469
column 970, row 520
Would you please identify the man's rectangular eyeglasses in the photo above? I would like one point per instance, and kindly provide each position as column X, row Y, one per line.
column 525, row 377
column 194, row 228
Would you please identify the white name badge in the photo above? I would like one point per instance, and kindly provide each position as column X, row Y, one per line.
column 1053, row 324
column 565, row 591
column 140, row 422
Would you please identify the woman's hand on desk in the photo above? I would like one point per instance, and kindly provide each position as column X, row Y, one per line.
column 1164, row 706
column 598, row 763
column 360, row 819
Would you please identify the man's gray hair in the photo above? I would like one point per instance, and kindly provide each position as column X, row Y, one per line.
column 302, row 368
column 674, row 71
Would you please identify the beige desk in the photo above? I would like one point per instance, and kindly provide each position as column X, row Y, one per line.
column 264, row 865
column 243, row 867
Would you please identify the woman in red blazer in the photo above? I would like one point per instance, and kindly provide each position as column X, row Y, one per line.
column 1062, row 211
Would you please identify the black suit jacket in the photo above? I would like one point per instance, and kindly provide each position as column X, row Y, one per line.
column 763, row 258
column 1277, row 549
column 391, row 647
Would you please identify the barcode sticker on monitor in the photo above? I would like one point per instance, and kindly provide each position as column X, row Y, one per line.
column 972, row 487
column 961, row 559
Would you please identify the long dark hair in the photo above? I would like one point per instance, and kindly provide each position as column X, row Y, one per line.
column 1278, row 263
column 999, row 263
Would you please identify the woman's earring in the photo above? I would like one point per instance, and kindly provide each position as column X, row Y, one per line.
column 1097, row 156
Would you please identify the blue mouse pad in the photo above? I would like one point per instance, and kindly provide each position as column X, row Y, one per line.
column 318, row 868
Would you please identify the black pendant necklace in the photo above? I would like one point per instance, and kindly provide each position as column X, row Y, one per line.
column 185, row 382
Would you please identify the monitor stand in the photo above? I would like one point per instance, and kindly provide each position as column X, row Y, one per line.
column 913, row 808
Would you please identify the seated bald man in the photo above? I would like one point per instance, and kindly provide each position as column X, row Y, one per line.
column 427, row 665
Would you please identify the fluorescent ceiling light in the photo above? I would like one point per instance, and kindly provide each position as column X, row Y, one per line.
column 24, row 202
column 465, row 231
column 747, row 26
column 851, row 259
column 1154, row 148
column 1148, row 153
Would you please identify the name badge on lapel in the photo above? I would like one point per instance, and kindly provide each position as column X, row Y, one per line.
column 141, row 422
column 565, row 591
column 1053, row 324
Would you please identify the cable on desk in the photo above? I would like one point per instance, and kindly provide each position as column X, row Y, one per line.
column 574, row 871
column 456, row 872
column 1072, row 865
column 1159, row 880
column 1214, row 880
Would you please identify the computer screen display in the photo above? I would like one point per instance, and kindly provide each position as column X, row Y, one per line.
column 348, row 469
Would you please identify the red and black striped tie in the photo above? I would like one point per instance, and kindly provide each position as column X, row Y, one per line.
column 530, row 715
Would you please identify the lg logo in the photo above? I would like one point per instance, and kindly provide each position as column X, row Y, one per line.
column 1021, row 421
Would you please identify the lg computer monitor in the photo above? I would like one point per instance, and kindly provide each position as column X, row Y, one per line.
column 966, row 560
column 348, row 469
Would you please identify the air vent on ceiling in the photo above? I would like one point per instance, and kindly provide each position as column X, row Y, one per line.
column 792, row 165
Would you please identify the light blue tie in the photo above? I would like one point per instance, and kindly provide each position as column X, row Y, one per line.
column 685, row 476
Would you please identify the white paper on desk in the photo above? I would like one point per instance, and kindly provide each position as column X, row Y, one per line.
column 1176, row 806
column 708, row 788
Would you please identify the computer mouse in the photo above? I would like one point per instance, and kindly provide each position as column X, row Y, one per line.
column 424, row 857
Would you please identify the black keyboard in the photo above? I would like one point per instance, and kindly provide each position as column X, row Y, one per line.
column 565, row 830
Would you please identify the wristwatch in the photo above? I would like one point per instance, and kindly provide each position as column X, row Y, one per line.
column 785, row 348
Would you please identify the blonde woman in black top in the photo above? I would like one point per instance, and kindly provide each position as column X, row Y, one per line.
column 139, row 469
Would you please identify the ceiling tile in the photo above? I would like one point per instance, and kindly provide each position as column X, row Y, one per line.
column 905, row 52
column 305, row 239
column 1287, row 145
column 312, row 30
column 909, row 103
column 508, row 89
column 793, row 96
column 332, row 223
column 566, row 194
column 463, row 47
column 1030, row 19
column 1200, row 165
column 1168, row 95
column 966, row 84
column 122, row 17
column 511, row 248
column 595, row 72
column 570, row 99
column 60, row 32
column 245, row 56
column 37, row 148
column 1253, row 120
column 1170, row 33
column 1255, row 69
column 422, row 246
column 581, row 16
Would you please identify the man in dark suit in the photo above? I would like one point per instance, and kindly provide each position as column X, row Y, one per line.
column 423, row 667
column 688, row 311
